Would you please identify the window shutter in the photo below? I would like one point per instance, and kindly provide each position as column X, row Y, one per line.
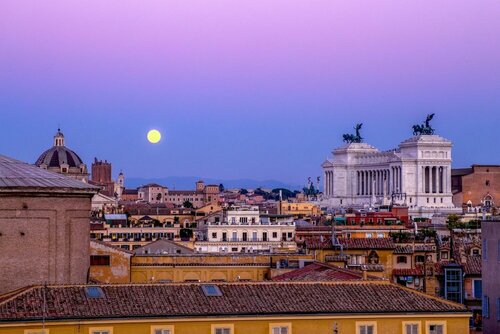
column 486, row 307
column 498, row 309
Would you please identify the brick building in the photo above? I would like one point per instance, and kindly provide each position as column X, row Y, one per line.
column 44, row 226
column 101, row 176
column 476, row 187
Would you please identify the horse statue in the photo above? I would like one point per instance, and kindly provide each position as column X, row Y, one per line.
column 425, row 128
column 350, row 138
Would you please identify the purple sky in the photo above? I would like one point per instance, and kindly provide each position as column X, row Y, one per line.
column 257, row 89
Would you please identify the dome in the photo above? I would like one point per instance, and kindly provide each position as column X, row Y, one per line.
column 59, row 154
column 56, row 156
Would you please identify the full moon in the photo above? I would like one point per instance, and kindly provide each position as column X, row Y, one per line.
column 154, row 136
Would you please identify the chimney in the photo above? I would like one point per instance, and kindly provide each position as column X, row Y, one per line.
column 365, row 275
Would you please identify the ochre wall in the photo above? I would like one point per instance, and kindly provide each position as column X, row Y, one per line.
column 323, row 325
column 118, row 270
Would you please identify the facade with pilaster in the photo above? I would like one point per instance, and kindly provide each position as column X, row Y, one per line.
column 416, row 174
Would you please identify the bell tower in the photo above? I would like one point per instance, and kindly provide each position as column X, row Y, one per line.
column 59, row 138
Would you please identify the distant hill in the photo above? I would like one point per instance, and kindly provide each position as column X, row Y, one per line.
column 188, row 182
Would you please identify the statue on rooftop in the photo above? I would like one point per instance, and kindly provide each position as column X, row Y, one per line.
column 424, row 129
column 350, row 138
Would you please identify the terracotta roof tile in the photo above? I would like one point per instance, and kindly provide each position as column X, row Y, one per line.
column 351, row 243
column 188, row 300
column 322, row 272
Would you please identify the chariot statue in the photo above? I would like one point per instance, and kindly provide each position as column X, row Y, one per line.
column 354, row 138
column 425, row 128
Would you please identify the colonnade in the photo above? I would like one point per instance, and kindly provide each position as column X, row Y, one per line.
column 435, row 179
column 379, row 182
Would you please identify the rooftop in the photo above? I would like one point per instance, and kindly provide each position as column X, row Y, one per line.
column 318, row 271
column 235, row 299
column 18, row 175
column 351, row 243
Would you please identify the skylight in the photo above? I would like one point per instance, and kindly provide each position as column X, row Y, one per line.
column 211, row 290
column 94, row 292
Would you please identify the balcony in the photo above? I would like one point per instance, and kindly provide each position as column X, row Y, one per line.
column 246, row 240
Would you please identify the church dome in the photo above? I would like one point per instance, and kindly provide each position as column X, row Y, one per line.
column 59, row 154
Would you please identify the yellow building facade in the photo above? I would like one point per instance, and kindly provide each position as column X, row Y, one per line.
column 213, row 268
column 382, row 324
column 299, row 209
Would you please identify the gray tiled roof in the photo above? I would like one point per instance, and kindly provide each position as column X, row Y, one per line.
column 15, row 174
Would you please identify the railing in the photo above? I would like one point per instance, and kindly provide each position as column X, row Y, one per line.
column 337, row 258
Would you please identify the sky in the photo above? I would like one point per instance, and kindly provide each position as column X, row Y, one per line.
column 245, row 89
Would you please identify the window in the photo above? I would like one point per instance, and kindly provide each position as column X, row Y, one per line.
column 223, row 329
column 264, row 236
column 214, row 235
column 453, row 284
column 275, row 235
column 211, row 290
column 477, row 288
column 401, row 259
column 280, row 328
column 436, row 329
column 410, row 328
column 369, row 235
column 486, row 307
column 366, row 328
column 419, row 259
column 444, row 255
column 162, row 329
column 107, row 330
column 99, row 260
column 94, row 292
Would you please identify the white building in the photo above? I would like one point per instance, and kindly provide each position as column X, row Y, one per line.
column 417, row 174
column 241, row 229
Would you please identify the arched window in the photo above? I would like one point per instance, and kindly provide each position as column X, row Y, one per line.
column 488, row 201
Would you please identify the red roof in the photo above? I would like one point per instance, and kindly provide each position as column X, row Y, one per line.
column 74, row 302
column 322, row 272
column 351, row 243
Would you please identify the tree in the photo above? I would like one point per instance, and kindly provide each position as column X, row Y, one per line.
column 187, row 204
column 243, row 191
column 221, row 188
